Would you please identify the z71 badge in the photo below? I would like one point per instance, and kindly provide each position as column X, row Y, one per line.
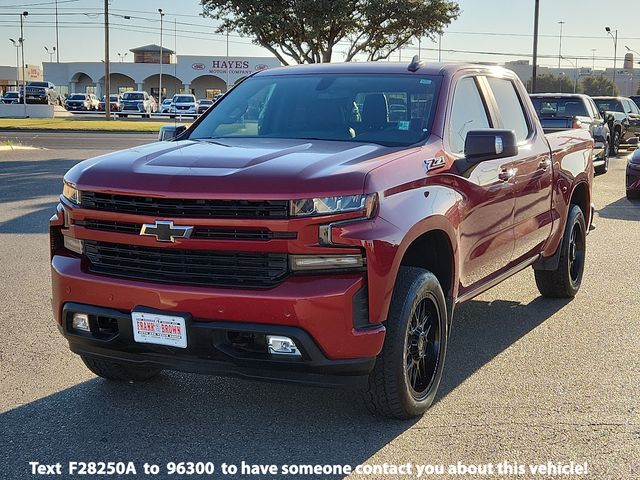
column 433, row 163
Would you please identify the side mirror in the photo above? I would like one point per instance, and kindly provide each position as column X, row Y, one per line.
column 169, row 132
column 489, row 144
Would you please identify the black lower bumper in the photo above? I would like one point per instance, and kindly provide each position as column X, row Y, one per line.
column 214, row 348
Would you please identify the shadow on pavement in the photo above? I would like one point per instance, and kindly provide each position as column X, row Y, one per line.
column 621, row 209
column 180, row 417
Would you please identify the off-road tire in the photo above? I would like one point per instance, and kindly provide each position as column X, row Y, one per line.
column 565, row 281
column 389, row 392
column 119, row 372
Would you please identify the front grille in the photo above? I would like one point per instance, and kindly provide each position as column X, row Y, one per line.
column 208, row 233
column 170, row 207
column 192, row 267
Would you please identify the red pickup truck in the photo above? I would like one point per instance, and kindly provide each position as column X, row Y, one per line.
column 319, row 225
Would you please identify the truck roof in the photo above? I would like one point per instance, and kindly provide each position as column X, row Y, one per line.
column 426, row 68
column 562, row 95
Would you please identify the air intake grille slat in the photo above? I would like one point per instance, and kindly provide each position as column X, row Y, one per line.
column 169, row 207
column 194, row 267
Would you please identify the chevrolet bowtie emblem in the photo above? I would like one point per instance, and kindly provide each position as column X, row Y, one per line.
column 165, row 231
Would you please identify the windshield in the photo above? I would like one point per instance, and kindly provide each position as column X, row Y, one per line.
column 166, row 102
column 133, row 96
column 77, row 96
column 609, row 105
column 112, row 98
column 11, row 94
column 206, row 102
column 560, row 107
column 183, row 99
column 38, row 84
column 327, row 107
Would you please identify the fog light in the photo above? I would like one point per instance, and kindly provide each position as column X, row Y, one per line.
column 81, row 322
column 282, row 346
column 73, row 244
column 323, row 262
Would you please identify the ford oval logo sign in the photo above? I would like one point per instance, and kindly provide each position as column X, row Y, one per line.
column 198, row 66
column 262, row 66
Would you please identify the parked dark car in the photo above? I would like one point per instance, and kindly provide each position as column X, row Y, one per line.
column 633, row 176
column 81, row 102
column 636, row 99
column 42, row 92
column 203, row 105
column 625, row 110
column 114, row 100
column 564, row 111
column 10, row 97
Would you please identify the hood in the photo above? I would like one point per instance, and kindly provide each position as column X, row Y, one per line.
column 269, row 169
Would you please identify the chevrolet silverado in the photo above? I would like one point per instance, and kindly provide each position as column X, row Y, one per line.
column 296, row 233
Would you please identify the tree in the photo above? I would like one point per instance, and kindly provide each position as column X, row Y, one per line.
column 553, row 84
column 308, row 31
column 598, row 85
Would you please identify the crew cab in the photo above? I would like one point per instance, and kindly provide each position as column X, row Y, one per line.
column 563, row 111
column 295, row 233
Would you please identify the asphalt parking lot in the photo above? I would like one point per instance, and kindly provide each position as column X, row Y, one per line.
column 527, row 380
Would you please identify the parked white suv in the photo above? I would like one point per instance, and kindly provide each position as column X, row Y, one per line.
column 137, row 103
column 183, row 103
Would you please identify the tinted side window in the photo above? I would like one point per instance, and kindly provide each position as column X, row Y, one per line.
column 467, row 113
column 509, row 106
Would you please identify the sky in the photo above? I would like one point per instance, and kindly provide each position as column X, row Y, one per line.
column 487, row 30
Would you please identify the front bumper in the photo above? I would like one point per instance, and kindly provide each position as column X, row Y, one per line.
column 319, row 312
column 213, row 348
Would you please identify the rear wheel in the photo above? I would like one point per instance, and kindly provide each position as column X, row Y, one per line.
column 407, row 373
column 119, row 372
column 565, row 281
column 615, row 144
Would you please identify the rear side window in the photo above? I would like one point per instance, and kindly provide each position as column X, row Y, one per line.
column 467, row 113
column 510, row 107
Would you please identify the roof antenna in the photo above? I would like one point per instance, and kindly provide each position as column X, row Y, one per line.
column 415, row 64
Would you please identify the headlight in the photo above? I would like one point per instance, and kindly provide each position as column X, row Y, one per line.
column 71, row 193
column 332, row 205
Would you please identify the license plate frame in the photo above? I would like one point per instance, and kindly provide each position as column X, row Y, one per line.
column 159, row 329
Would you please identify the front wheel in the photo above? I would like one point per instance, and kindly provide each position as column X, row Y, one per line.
column 615, row 144
column 407, row 373
column 119, row 372
column 565, row 280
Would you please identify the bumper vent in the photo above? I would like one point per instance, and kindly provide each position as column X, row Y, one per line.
column 168, row 207
column 191, row 267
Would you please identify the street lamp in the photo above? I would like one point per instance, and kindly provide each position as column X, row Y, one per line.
column 160, row 89
column 24, row 88
column 574, row 65
column 593, row 59
column 51, row 53
column 122, row 56
column 615, row 53
column 632, row 50
column 17, row 44
column 560, row 47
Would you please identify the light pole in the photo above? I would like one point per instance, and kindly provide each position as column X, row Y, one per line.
column 227, row 62
column 160, row 83
column 24, row 88
column 107, row 69
column 560, row 47
column 593, row 59
column 574, row 65
column 51, row 52
column 534, row 70
column 17, row 44
column 615, row 53
column 122, row 56
column 57, row 49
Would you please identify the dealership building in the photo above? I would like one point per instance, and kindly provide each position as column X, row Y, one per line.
column 204, row 76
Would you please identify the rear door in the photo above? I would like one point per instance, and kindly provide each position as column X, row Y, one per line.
column 532, row 218
column 486, row 214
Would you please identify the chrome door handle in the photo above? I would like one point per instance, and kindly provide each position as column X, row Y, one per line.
column 507, row 174
column 545, row 164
